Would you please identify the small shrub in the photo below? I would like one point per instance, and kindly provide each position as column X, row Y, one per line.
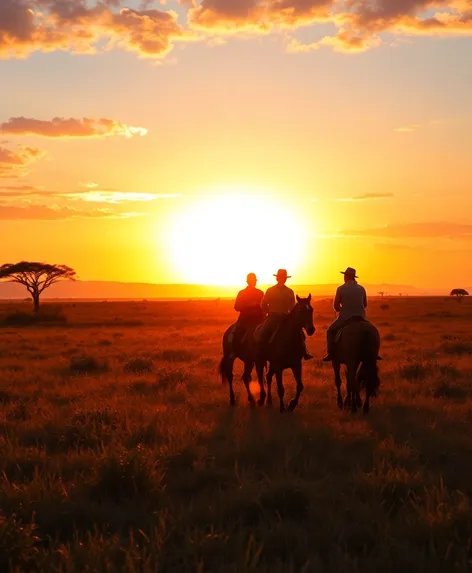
column 46, row 317
column 18, row 544
column 457, row 348
column 87, row 365
column 450, row 390
column 139, row 365
column 416, row 369
column 384, row 307
column 127, row 475
column 390, row 337
column 176, row 355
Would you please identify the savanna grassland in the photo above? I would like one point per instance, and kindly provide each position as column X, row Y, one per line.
column 119, row 451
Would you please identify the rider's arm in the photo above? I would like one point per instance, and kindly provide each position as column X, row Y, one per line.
column 238, row 304
column 337, row 301
column 365, row 299
column 265, row 302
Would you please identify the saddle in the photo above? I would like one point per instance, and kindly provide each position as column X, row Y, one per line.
column 349, row 321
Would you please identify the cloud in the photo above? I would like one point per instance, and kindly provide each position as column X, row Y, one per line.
column 15, row 164
column 88, row 26
column 60, row 127
column 366, row 197
column 257, row 15
column 417, row 230
column 111, row 197
column 48, row 213
column 27, row 26
column 117, row 197
column 408, row 128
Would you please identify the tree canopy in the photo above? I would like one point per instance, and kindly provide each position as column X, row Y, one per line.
column 459, row 292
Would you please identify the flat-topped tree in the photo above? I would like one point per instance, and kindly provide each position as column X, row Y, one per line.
column 459, row 293
column 36, row 277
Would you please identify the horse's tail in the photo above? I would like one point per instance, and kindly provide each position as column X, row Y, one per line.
column 369, row 370
column 222, row 371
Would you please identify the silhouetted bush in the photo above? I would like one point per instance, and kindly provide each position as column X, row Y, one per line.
column 87, row 365
column 46, row 316
column 139, row 365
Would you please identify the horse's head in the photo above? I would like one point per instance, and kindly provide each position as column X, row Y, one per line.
column 304, row 312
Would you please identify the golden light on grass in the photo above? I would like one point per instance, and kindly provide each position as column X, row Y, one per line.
column 219, row 239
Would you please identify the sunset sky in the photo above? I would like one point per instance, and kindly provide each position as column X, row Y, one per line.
column 196, row 141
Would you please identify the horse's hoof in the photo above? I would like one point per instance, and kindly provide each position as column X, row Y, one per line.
column 269, row 402
column 293, row 404
column 232, row 403
column 340, row 404
column 365, row 411
column 282, row 409
column 260, row 402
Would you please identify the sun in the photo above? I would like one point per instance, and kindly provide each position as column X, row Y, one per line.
column 219, row 239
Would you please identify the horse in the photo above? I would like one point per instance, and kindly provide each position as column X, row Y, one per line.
column 357, row 348
column 285, row 351
column 245, row 353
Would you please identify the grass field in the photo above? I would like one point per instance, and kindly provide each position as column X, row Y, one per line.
column 119, row 451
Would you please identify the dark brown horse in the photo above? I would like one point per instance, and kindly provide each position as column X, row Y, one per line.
column 286, row 351
column 358, row 348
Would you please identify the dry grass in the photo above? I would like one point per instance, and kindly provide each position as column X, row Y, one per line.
column 119, row 452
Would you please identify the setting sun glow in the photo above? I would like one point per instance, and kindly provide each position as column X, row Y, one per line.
column 220, row 239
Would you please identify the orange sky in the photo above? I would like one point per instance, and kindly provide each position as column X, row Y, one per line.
column 195, row 142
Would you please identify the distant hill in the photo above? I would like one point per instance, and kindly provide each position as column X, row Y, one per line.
column 101, row 290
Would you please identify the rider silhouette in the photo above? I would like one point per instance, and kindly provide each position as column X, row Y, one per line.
column 248, row 304
column 278, row 302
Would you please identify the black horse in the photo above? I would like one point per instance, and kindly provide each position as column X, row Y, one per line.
column 357, row 348
column 286, row 351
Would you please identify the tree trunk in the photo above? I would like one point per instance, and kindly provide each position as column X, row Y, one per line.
column 35, row 301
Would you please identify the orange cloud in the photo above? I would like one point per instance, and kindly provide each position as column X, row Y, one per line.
column 82, row 25
column 257, row 15
column 67, row 128
column 27, row 26
column 15, row 163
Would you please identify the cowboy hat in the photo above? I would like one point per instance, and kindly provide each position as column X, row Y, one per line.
column 282, row 273
column 351, row 272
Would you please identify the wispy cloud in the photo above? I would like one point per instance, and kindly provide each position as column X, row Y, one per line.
column 439, row 229
column 408, row 128
column 117, row 197
column 15, row 163
column 60, row 127
column 56, row 213
column 365, row 197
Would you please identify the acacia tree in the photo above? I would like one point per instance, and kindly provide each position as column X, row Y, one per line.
column 459, row 293
column 36, row 277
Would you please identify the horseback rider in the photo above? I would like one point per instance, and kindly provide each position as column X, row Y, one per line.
column 278, row 302
column 248, row 304
column 350, row 301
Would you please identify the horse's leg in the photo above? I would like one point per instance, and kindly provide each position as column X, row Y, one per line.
column 228, row 365
column 270, row 375
column 248, row 366
column 260, row 379
column 297, row 373
column 338, row 381
column 351, row 388
column 280, row 388
column 358, row 389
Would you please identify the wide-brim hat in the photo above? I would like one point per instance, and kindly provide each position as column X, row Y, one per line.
column 351, row 272
column 282, row 273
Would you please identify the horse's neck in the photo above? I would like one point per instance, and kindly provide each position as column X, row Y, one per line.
column 292, row 325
